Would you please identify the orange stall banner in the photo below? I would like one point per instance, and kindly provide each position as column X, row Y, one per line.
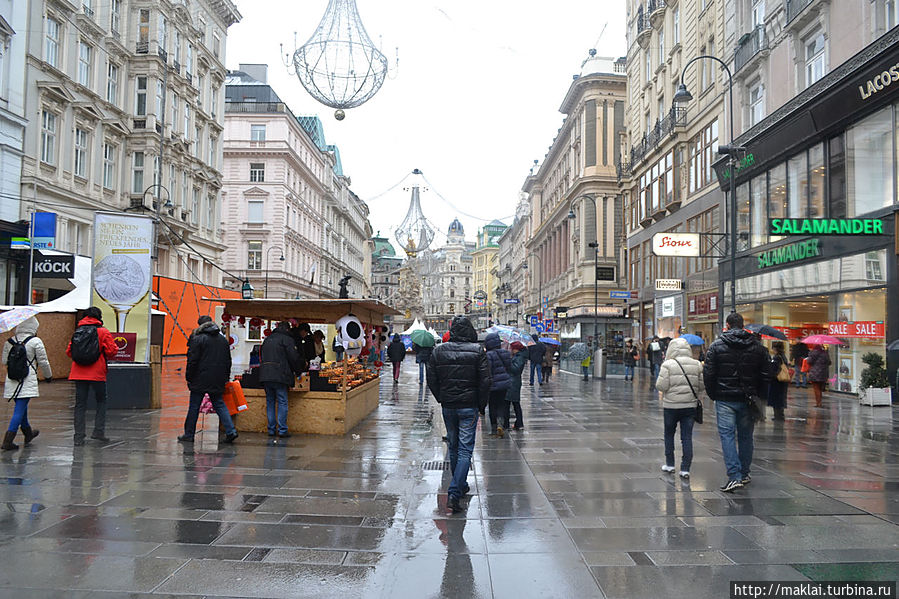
column 183, row 304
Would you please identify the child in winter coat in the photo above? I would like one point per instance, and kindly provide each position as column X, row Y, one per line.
column 500, row 364
column 513, row 395
column 680, row 381
column 26, row 389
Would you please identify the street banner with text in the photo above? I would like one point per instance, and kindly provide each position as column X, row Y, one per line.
column 120, row 281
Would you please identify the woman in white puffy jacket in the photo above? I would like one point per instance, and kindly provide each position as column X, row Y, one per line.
column 37, row 359
column 680, row 381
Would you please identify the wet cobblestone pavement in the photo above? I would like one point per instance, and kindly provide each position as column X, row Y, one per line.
column 573, row 506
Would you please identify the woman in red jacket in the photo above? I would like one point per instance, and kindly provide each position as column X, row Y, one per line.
column 91, row 375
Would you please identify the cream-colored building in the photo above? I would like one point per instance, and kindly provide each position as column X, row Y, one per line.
column 125, row 108
column 574, row 202
column 446, row 278
column 508, row 270
column 483, row 259
column 666, row 175
column 285, row 195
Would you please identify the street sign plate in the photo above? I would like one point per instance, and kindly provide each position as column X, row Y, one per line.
column 669, row 284
column 533, row 321
column 510, row 300
column 620, row 294
column 540, row 328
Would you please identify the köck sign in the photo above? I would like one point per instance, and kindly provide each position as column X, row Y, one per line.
column 53, row 267
column 854, row 330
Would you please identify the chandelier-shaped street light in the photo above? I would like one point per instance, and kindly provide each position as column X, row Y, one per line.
column 415, row 233
column 339, row 65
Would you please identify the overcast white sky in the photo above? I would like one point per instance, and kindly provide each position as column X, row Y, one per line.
column 475, row 101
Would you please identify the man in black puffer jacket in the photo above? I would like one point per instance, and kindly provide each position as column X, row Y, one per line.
column 208, row 369
column 459, row 378
column 535, row 355
column 280, row 364
column 501, row 379
column 735, row 368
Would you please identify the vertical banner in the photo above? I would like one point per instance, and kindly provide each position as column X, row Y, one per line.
column 120, row 280
column 43, row 230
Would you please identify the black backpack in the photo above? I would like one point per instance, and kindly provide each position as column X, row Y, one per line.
column 17, row 362
column 86, row 345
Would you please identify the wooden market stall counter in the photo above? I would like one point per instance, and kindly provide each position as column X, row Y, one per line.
column 315, row 412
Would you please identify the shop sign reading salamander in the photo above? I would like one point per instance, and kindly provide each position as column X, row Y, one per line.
column 790, row 253
column 825, row 226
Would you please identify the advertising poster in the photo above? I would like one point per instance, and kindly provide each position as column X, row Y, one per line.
column 121, row 278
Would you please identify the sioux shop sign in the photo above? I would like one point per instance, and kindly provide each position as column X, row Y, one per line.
column 825, row 226
column 675, row 244
column 790, row 253
column 53, row 267
column 856, row 330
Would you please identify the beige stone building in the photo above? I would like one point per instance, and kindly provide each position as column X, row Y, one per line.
column 666, row 176
column 580, row 165
column 508, row 271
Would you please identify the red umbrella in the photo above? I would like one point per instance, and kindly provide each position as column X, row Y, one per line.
column 822, row 340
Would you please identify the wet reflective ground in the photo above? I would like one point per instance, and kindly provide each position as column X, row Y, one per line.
column 573, row 506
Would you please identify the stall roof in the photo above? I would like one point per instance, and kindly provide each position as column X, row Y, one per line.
column 310, row 310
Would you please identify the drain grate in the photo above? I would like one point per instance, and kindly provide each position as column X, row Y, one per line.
column 435, row 465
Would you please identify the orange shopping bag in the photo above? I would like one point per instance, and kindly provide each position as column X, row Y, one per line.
column 234, row 398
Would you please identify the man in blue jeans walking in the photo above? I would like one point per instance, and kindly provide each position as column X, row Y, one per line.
column 735, row 369
column 459, row 379
column 535, row 355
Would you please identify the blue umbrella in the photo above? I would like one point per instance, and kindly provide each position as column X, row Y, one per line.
column 549, row 340
column 693, row 339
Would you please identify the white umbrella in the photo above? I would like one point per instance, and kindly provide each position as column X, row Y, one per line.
column 11, row 319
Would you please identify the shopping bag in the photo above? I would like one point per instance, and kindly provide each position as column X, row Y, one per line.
column 234, row 398
column 805, row 365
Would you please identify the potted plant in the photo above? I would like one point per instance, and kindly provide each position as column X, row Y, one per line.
column 874, row 386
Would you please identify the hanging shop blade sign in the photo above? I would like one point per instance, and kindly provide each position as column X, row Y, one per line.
column 669, row 284
column 794, row 252
column 675, row 244
column 53, row 267
column 825, row 226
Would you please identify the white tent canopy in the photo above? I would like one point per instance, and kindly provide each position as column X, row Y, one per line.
column 415, row 326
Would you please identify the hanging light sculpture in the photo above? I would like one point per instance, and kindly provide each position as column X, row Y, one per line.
column 415, row 233
column 339, row 65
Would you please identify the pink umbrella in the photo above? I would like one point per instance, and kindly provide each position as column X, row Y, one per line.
column 822, row 340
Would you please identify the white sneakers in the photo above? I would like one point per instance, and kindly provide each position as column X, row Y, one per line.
column 668, row 469
column 684, row 474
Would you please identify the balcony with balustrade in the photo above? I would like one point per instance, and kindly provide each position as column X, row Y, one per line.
column 750, row 48
column 656, row 11
column 644, row 29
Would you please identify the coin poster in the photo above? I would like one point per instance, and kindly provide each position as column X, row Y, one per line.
column 120, row 279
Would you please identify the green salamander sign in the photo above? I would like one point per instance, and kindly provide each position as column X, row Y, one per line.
column 825, row 226
column 790, row 253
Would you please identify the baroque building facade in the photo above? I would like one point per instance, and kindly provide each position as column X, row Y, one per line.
column 575, row 202
column 125, row 108
column 446, row 278
column 285, row 195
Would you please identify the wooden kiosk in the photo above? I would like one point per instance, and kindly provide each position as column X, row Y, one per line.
column 316, row 412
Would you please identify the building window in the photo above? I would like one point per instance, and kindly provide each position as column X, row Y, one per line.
column 873, row 267
column 797, row 186
column 51, row 50
column 214, row 102
column 890, row 17
column 213, row 148
column 162, row 35
column 140, row 98
column 257, row 172
column 869, row 164
column 186, row 121
column 756, row 103
column 80, row 152
column 201, row 90
column 254, row 255
column 109, row 155
column 255, row 211
column 48, row 137
column 648, row 65
column 137, row 173
column 743, row 217
column 758, row 192
column 195, row 206
column 814, row 59
column 173, row 103
column 112, row 83
column 85, row 63
column 143, row 29
column 115, row 12
column 210, row 211
column 661, row 47
column 777, row 194
column 257, row 132
column 758, row 13
column 216, row 45
column 703, row 152
column 189, row 64
column 675, row 26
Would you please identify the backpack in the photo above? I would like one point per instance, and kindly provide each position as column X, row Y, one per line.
column 85, row 345
column 17, row 362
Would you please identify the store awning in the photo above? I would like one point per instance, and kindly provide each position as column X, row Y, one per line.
column 310, row 310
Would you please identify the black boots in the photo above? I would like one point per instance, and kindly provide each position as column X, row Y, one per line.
column 29, row 433
column 7, row 441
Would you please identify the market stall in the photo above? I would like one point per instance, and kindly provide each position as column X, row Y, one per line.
column 334, row 399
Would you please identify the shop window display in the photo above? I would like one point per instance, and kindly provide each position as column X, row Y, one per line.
column 869, row 163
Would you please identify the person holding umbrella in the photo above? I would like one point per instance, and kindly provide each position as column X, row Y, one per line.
column 818, row 372
column 422, row 345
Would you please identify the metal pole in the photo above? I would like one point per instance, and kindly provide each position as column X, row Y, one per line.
column 595, row 298
column 733, row 205
column 30, row 261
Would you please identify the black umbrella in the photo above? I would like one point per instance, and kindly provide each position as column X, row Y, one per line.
column 767, row 330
